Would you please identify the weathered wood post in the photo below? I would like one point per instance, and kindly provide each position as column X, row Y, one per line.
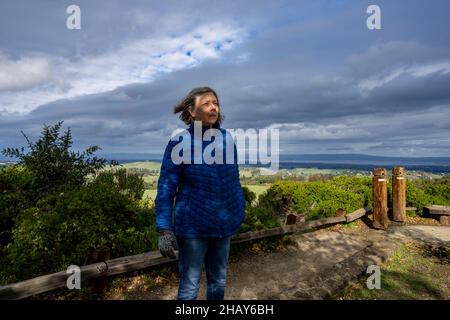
column 379, row 199
column 291, row 219
column 102, row 254
column 398, row 194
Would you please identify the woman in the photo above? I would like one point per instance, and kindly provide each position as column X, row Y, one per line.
column 209, row 205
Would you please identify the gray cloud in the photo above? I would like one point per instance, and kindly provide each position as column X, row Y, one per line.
column 323, row 79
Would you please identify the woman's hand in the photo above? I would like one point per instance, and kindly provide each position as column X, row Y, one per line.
column 167, row 243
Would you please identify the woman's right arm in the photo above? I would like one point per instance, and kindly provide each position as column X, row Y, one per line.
column 169, row 178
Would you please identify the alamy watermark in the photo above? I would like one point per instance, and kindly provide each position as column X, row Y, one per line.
column 263, row 147
column 73, row 21
column 74, row 280
column 373, row 22
column 374, row 280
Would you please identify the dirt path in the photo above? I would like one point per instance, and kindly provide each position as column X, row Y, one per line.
column 315, row 265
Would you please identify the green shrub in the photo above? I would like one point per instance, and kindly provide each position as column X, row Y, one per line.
column 53, row 165
column 56, row 205
column 357, row 185
column 15, row 182
column 130, row 184
column 439, row 189
column 249, row 196
column 349, row 193
column 62, row 228
column 421, row 193
column 257, row 218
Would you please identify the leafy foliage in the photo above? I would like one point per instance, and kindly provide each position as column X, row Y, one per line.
column 63, row 227
column 257, row 218
column 52, row 164
column 57, row 205
column 249, row 196
column 15, row 182
column 349, row 193
column 421, row 193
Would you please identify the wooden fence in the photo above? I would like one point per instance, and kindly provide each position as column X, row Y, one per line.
column 116, row 266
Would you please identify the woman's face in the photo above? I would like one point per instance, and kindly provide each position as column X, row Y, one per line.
column 206, row 109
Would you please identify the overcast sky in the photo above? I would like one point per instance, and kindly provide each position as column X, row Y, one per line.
column 310, row 68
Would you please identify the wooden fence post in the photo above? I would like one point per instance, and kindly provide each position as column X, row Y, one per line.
column 102, row 254
column 291, row 219
column 379, row 199
column 398, row 194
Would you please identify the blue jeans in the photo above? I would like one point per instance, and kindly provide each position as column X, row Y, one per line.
column 193, row 253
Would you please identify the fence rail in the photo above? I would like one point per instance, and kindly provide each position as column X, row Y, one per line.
column 440, row 212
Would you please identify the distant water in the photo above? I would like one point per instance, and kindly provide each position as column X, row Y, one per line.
column 360, row 162
column 341, row 166
column 364, row 167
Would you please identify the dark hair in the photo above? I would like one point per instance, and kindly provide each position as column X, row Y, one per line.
column 189, row 101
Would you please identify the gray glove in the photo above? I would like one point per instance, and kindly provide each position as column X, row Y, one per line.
column 167, row 243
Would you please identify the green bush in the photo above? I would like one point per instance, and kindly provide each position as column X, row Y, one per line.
column 421, row 193
column 53, row 165
column 62, row 228
column 249, row 196
column 57, row 205
column 130, row 184
column 439, row 189
column 257, row 218
column 349, row 193
column 15, row 182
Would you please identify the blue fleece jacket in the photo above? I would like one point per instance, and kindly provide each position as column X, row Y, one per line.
column 209, row 200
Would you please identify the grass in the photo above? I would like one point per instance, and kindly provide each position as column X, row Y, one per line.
column 245, row 173
column 413, row 272
column 150, row 165
column 150, row 179
column 353, row 224
column 258, row 189
column 149, row 194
